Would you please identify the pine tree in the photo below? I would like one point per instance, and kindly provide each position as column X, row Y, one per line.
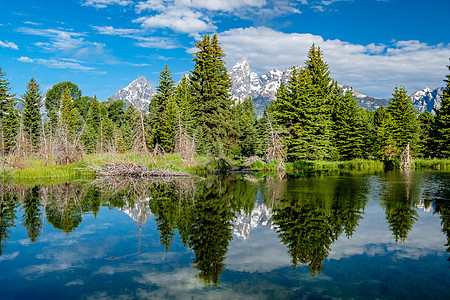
column 303, row 114
column 158, row 106
column 11, row 124
column 442, row 123
column 31, row 116
column 247, row 134
column 130, row 127
column 384, row 143
column 212, row 101
column 167, row 126
column 6, row 100
column 68, row 114
column 54, row 96
column 426, row 144
column 348, row 127
column 184, row 101
column 405, row 125
column 91, row 133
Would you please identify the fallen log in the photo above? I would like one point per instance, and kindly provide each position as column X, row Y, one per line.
column 134, row 170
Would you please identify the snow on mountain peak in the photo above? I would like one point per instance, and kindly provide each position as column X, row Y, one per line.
column 138, row 92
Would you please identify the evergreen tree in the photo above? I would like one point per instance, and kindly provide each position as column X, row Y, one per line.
column 212, row 101
column 348, row 127
column 319, row 72
column 158, row 108
column 303, row 114
column 68, row 114
column 31, row 116
column 5, row 104
column 405, row 125
column 184, row 101
column 442, row 124
column 11, row 124
column 91, row 134
column 166, row 128
column 54, row 96
column 384, row 143
column 426, row 144
column 247, row 134
column 32, row 217
column 130, row 126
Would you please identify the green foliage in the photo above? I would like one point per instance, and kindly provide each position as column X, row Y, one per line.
column 54, row 99
column 247, row 132
column 162, row 112
column 8, row 208
column 116, row 111
column 385, row 146
column 212, row 101
column 10, row 124
column 32, row 217
column 68, row 113
column 426, row 142
column 442, row 123
column 348, row 127
column 130, row 127
column 184, row 101
column 405, row 125
column 31, row 116
column 303, row 114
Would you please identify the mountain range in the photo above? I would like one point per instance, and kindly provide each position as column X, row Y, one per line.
column 263, row 88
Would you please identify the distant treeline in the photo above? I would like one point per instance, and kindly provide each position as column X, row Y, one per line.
column 310, row 119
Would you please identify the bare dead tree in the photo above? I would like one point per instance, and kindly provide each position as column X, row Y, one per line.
column 184, row 144
column 406, row 160
column 140, row 136
column 275, row 149
column 24, row 147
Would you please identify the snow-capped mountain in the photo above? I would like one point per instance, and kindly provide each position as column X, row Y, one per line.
column 140, row 211
column 427, row 99
column 365, row 101
column 139, row 92
column 262, row 89
column 244, row 223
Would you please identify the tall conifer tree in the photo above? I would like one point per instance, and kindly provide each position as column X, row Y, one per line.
column 405, row 125
column 442, row 123
column 6, row 103
column 348, row 127
column 210, row 87
column 31, row 116
column 158, row 109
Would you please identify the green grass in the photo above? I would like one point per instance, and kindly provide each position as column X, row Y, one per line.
column 428, row 163
column 37, row 169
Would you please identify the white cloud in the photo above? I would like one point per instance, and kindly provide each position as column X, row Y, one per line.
column 211, row 5
column 136, row 34
column 64, row 63
column 105, row 3
column 109, row 30
column 372, row 69
column 182, row 20
column 10, row 45
column 60, row 39
column 25, row 59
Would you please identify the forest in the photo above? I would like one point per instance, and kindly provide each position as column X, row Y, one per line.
column 311, row 119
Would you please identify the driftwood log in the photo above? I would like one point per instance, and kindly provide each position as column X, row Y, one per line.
column 134, row 170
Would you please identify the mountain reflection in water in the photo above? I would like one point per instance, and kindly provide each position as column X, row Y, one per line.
column 310, row 217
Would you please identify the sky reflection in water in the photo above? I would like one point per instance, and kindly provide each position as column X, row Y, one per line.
column 348, row 236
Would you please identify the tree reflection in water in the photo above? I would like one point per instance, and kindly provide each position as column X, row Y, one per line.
column 309, row 213
column 312, row 213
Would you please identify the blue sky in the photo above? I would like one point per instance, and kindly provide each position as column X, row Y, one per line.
column 102, row 45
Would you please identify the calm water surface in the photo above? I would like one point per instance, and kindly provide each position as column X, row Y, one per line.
column 361, row 236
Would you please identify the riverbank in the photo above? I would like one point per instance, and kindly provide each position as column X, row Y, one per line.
column 38, row 168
